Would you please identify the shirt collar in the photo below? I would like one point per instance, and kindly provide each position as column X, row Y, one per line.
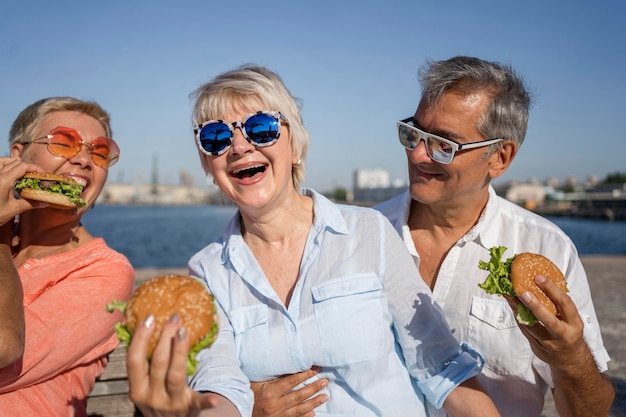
column 327, row 215
column 487, row 231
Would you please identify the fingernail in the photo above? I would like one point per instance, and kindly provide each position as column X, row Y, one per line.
column 175, row 318
column 149, row 321
column 540, row 279
column 181, row 334
column 526, row 296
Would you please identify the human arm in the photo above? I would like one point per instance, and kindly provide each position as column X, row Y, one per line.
column 11, row 308
column 280, row 398
column 580, row 389
column 12, row 328
column 159, row 387
column 469, row 399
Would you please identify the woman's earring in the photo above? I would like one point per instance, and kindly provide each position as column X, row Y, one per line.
column 298, row 162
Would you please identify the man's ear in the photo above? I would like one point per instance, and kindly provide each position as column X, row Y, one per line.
column 502, row 159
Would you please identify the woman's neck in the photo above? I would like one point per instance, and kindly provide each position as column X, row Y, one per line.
column 37, row 235
column 278, row 223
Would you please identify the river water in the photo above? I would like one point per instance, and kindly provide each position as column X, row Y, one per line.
column 167, row 236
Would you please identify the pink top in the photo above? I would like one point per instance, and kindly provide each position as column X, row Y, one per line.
column 68, row 330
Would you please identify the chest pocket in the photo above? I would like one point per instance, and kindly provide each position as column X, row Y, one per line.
column 493, row 332
column 250, row 325
column 353, row 319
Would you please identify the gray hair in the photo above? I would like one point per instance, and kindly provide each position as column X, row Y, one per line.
column 29, row 120
column 507, row 115
column 250, row 88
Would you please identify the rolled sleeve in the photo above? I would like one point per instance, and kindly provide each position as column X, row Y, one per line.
column 466, row 365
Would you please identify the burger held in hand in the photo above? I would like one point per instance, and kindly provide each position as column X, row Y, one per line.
column 59, row 191
column 516, row 275
column 162, row 296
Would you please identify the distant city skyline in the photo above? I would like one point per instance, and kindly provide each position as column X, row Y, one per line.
column 377, row 177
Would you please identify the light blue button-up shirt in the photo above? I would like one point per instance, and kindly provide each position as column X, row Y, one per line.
column 359, row 310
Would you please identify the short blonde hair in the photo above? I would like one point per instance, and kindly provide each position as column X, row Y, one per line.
column 250, row 88
column 29, row 120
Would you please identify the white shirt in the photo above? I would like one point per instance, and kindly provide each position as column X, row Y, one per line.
column 516, row 380
column 356, row 296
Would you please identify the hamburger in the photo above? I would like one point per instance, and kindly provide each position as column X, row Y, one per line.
column 516, row 275
column 163, row 296
column 59, row 191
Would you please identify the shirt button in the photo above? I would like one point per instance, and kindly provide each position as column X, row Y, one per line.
column 292, row 328
column 26, row 266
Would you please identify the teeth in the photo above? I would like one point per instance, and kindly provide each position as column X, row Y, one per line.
column 81, row 181
column 248, row 168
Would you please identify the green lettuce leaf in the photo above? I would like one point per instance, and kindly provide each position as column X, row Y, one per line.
column 192, row 362
column 499, row 279
column 71, row 191
column 499, row 282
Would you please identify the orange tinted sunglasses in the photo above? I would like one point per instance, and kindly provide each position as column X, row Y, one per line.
column 65, row 142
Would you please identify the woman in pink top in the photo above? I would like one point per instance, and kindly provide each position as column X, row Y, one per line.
column 67, row 275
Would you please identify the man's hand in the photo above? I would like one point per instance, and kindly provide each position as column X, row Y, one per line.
column 277, row 398
column 559, row 340
column 579, row 387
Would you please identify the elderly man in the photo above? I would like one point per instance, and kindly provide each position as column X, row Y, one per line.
column 467, row 129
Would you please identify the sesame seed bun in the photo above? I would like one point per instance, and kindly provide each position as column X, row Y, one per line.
column 165, row 295
column 54, row 200
column 526, row 266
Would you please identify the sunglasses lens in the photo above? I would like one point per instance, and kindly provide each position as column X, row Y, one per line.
column 439, row 150
column 263, row 129
column 104, row 152
column 215, row 138
column 64, row 144
column 407, row 137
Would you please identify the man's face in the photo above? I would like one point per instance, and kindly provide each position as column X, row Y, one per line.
column 466, row 178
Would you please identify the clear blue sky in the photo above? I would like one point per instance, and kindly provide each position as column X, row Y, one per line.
column 354, row 64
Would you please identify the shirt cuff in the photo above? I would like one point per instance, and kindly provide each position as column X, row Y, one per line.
column 467, row 364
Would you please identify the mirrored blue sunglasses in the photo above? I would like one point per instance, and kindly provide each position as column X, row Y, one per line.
column 260, row 129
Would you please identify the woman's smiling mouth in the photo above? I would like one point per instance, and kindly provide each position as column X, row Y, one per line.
column 248, row 172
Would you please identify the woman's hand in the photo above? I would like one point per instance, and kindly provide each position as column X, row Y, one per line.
column 12, row 169
column 159, row 387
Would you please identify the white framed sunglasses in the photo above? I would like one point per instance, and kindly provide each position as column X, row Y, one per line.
column 439, row 149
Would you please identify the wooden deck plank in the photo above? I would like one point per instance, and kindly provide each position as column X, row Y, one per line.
column 109, row 398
